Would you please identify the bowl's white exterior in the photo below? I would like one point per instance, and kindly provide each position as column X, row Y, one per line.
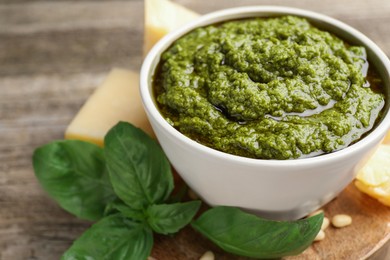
column 276, row 189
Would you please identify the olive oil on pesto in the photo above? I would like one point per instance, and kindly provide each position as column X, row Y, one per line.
column 268, row 88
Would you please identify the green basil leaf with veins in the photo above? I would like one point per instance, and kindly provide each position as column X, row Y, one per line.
column 113, row 237
column 139, row 170
column 170, row 218
column 74, row 174
column 117, row 206
column 244, row 234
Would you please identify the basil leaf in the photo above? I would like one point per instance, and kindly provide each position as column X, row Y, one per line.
column 113, row 237
column 244, row 234
column 73, row 173
column 170, row 218
column 119, row 206
column 139, row 170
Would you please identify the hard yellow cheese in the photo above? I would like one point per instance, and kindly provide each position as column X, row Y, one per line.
column 117, row 99
column 386, row 140
column 374, row 177
column 162, row 17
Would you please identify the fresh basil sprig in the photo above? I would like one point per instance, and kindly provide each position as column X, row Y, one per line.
column 244, row 234
column 125, row 187
column 129, row 201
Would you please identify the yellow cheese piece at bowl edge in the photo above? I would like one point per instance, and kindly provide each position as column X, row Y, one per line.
column 374, row 178
column 381, row 192
column 162, row 17
column 377, row 169
column 386, row 140
column 117, row 99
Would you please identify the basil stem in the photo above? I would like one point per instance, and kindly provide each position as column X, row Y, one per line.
column 119, row 206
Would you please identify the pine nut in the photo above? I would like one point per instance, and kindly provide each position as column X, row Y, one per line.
column 151, row 258
column 341, row 220
column 325, row 223
column 320, row 236
column 209, row 255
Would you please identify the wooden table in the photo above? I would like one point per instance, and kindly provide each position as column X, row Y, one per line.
column 52, row 56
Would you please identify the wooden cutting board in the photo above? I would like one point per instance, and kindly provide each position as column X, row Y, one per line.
column 367, row 238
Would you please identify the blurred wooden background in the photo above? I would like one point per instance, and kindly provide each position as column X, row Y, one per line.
column 52, row 56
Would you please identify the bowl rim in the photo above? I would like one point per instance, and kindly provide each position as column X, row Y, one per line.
column 148, row 66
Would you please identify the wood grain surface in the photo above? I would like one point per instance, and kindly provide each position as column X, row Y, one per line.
column 53, row 54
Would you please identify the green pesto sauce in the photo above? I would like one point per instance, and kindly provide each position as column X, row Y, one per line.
column 269, row 88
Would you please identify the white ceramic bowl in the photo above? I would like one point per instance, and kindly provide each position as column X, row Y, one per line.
column 277, row 189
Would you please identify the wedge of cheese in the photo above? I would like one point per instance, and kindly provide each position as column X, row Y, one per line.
column 387, row 138
column 117, row 99
column 374, row 177
column 162, row 17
